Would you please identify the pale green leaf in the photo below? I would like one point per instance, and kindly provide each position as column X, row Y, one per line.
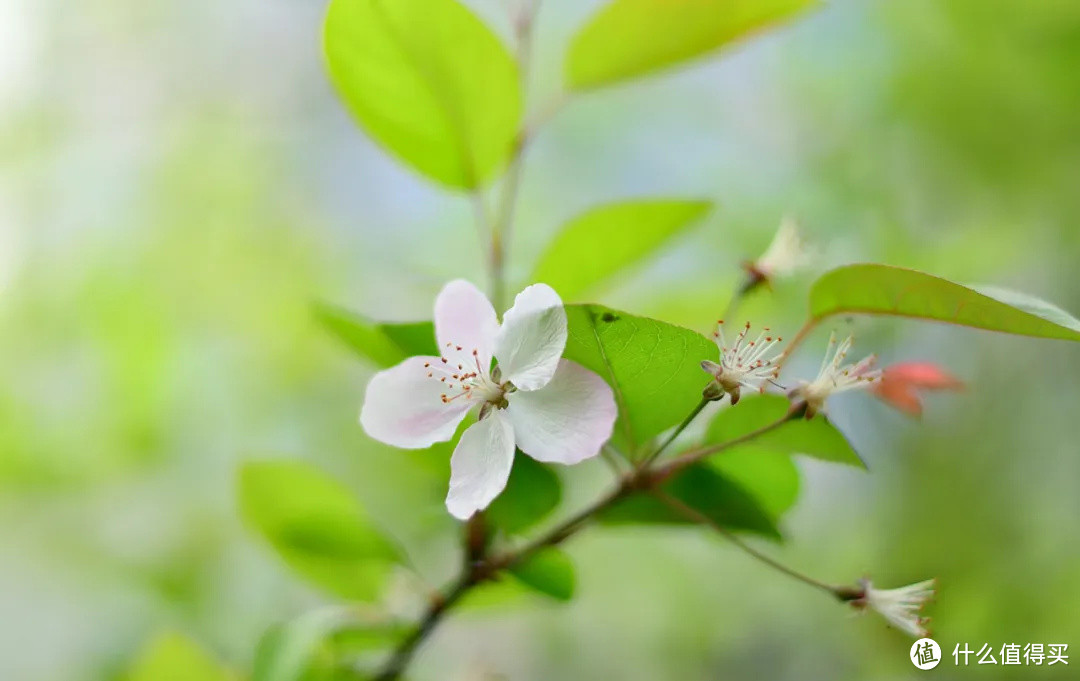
column 500, row 596
column 548, row 571
column 429, row 81
column 654, row 368
column 816, row 437
column 284, row 653
column 383, row 344
column 173, row 657
column 315, row 645
column 895, row 291
column 316, row 526
column 628, row 38
column 611, row 238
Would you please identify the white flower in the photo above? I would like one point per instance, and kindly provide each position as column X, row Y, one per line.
column 744, row 363
column 835, row 377
column 553, row 409
column 900, row 607
column 785, row 255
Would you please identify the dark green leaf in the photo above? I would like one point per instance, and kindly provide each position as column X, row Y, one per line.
column 653, row 367
column 549, row 571
column 316, row 526
column 611, row 238
column 429, row 81
column 885, row 290
column 531, row 493
column 628, row 38
column 707, row 491
column 816, row 437
column 383, row 344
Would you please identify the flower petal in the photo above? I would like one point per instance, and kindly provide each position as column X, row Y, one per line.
column 899, row 396
column 404, row 408
column 465, row 319
column 532, row 338
column 900, row 383
column 922, row 375
column 480, row 465
column 566, row 421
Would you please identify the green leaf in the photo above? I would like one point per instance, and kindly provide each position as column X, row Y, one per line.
column 816, row 437
column 549, row 571
column 654, row 368
column 629, row 38
column 429, row 81
column 173, row 657
column 383, row 344
column 895, row 291
column 608, row 239
column 316, row 526
column 285, row 651
column 767, row 475
column 707, row 491
column 499, row 596
column 312, row 646
column 531, row 493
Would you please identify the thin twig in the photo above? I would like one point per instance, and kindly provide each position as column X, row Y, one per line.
column 639, row 480
column 698, row 517
column 404, row 652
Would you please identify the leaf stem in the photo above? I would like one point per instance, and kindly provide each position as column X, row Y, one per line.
column 503, row 224
column 698, row 517
column 687, row 459
column 675, row 433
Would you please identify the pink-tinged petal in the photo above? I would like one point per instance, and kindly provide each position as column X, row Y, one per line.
column 480, row 465
column 900, row 384
column 465, row 321
column 900, row 397
column 566, row 421
column 922, row 375
column 532, row 338
column 403, row 407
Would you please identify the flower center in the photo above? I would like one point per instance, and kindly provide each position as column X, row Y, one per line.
column 744, row 359
column 465, row 379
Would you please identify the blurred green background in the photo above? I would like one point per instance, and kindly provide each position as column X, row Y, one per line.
column 178, row 184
